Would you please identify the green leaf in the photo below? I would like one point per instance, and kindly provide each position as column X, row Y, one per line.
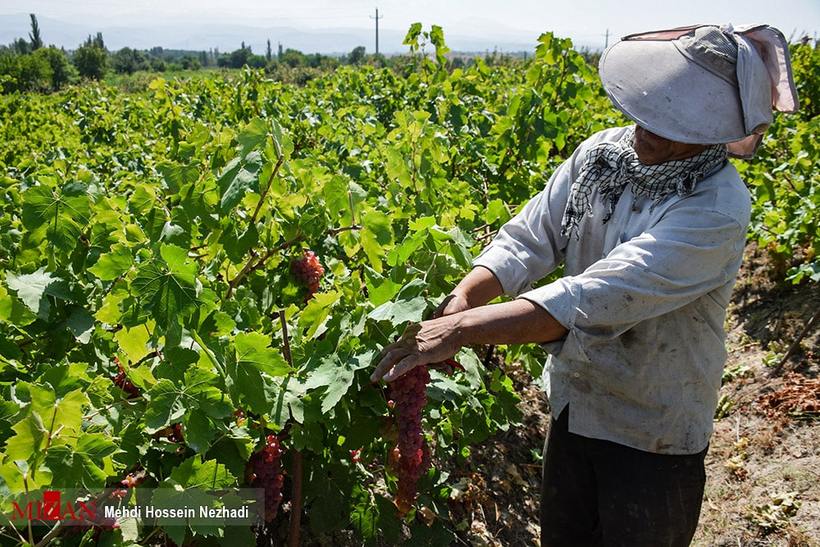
column 176, row 175
column 290, row 401
column 496, row 211
column 200, row 389
column 81, row 324
column 253, row 349
column 252, row 135
column 400, row 311
column 72, row 469
column 254, row 390
column 173, row 496
column 199, row 431
column 18, row 478
column 64, row 413
column 57, row 215
column 134, row 342
column 34, row 289
column 13, row 310
column 209, row 474
column 96, row 446
column 29, row 439
column 113, row 264
column 238, row 179
column 316, row 312
column 168, row 288
column 335, row 376
column 165, row 405
column 412, row 35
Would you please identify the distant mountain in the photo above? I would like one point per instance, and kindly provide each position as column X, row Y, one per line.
column 227, row 37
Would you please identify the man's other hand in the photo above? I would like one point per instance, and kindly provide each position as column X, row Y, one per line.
column 421, row 344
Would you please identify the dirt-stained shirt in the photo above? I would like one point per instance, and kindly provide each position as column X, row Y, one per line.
column 643, row 297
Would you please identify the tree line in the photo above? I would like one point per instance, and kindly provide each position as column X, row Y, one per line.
column 26, row 64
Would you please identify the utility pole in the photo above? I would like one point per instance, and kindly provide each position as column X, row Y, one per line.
column 606, row 43
column 377, row 28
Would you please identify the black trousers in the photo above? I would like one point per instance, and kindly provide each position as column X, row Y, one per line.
column 597, row 492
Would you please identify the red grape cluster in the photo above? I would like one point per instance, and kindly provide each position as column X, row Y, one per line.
column 122, row 381
column 308, row 271
column 411, row 457
column 264, row 470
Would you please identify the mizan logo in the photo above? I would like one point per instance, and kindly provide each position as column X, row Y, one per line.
column 51, row 507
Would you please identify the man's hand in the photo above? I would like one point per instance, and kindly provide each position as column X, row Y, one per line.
column 422, row 343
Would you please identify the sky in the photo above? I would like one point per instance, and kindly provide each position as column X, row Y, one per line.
column 491, row 20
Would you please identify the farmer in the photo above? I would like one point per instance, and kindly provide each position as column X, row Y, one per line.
column 649, row 222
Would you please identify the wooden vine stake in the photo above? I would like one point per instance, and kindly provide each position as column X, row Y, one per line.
column 296, row 467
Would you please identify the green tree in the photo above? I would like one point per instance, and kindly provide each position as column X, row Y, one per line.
column 268, row 53
column 356, row 56
column 293, row 58
column 31, row 73
column 128, row 61
column 91, row 60
column 34, row 36
column 20, row 46
column 62, row 72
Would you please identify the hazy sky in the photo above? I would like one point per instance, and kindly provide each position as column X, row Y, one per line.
column 582, row 19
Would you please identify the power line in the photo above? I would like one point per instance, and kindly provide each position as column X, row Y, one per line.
column 377, row 28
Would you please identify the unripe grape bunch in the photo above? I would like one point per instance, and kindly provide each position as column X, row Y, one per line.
column 411, row 456
column 308, row 271
column 264, row 470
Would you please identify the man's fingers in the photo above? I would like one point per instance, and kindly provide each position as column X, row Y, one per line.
column 405, row 365
column 394, row 354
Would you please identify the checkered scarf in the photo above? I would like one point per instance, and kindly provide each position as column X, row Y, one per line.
column 611, row 166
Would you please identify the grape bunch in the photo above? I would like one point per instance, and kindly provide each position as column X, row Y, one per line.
column 411, row 456
column 121, row 381
column 264, row 470
column 308, row 271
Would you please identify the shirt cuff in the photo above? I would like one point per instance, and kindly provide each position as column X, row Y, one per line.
column 561, row 299
column 510, row 271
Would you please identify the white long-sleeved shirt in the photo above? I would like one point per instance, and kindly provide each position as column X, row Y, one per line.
column 643, row 297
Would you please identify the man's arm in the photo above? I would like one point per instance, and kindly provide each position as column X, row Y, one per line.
column 477, row 288
column 516, row 322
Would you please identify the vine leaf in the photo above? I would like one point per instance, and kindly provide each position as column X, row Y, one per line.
column 113, row 264
column 58, row 215
column 336, row 376
column 166, row 405
column 400, row 311
column 32, row 289
column 168, row 287
column 253, row 349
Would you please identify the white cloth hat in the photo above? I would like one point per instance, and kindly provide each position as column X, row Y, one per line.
column 702, row 84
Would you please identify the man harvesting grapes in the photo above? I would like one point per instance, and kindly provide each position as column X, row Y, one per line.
column 649, row 223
